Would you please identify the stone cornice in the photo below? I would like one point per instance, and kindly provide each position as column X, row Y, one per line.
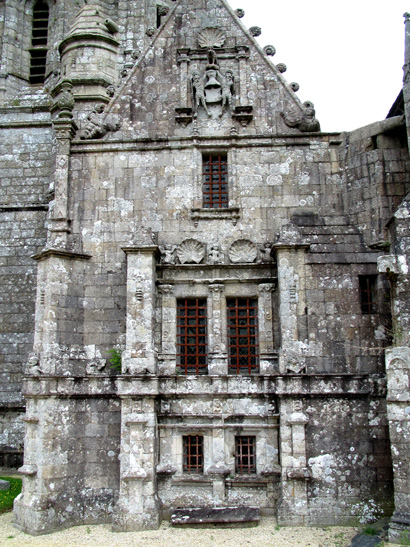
column 287, row 385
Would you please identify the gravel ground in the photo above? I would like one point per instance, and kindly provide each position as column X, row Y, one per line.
column 266, row 534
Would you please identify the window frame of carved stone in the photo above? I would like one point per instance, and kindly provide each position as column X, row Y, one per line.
column 240, row 345
column 192, row 454
column 215, row 165
column 192, row 344
column 245, row 454
column 368, row 294
column 39, row 42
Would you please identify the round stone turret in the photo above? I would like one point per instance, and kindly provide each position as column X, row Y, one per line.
column 89, row 54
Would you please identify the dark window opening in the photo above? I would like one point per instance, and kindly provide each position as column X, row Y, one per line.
column 39, row 37
column 368, row 293
column 193, row 453
column 243, row 345
column 191, row 336
column 215, row 181
column 245, row 455
column 162, row 12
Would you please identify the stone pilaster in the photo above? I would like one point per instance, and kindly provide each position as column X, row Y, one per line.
column 140, row 356
column 167, row 364
column 243, row 56
column 138, row 506
column 218, row 358
column 293, row 507
column 266, row 342
column 65, row 128
column 398, row 413
column 56, row 270
column 292, row 297
column 406, row 75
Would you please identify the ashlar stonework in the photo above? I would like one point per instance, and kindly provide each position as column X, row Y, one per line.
column 204, row 298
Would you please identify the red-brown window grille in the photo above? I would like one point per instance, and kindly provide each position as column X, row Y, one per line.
column 39, row 37
column 193, row 452
column 245, row 455
column 368, row 293
column 215, row 181
column 243, row 345
column 191, row 335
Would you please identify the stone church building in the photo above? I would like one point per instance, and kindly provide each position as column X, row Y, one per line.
column 204, row 298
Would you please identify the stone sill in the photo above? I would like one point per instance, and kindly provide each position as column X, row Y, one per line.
column 226, row 213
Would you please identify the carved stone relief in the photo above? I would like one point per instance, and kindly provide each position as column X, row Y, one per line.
column 98, row 124
column 191, row 251
column 265, row 252
column 168, row 254
column 242, row 250
column 303, row 119
column 214, row 255
column 213, row 91
column 211, row 37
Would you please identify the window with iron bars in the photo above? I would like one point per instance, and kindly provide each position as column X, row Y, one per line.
column 193, row 454
column 243, row 344
column 191, row 335
column 368, row 293
column 39, row 38
column 245, row 455
column 214, row 181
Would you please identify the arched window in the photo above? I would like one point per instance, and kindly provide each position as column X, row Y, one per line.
column 38, row 49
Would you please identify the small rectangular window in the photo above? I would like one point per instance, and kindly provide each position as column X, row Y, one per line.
column 243, row 342
column 191, row 335
column 245, row 455
column 193, row 453
column 215, row 181
column 368, row 293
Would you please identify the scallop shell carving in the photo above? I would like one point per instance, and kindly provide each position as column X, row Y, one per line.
column 211, row 37
column 242, row 250
column 191, row 251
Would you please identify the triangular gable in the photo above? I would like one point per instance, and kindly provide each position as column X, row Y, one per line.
column 204, row 74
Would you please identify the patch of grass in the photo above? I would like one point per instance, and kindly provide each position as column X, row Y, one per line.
column 7, row 497
column 405, row 538
column 277, row 527
column 369, row 531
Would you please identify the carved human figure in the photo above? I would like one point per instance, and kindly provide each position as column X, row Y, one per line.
column 33, row 366
column 168, row 254
column 266, row 252
column 215, row 255
column 198, row 89
column 228, row 91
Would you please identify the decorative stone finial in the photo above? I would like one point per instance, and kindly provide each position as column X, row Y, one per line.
column 111, row 90
column 65, row 100
column 406, row 16
column 281, row 67
column 240, row 13
column 150, row 31
column 295, row 86
column 255, row 31
column 269, row 50
column 163, row 10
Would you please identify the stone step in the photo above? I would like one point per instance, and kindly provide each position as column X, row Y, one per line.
column 228, row 517
column 4, row 485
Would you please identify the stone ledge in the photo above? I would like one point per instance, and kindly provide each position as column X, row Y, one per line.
column 246, row 516
column 4, row 485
